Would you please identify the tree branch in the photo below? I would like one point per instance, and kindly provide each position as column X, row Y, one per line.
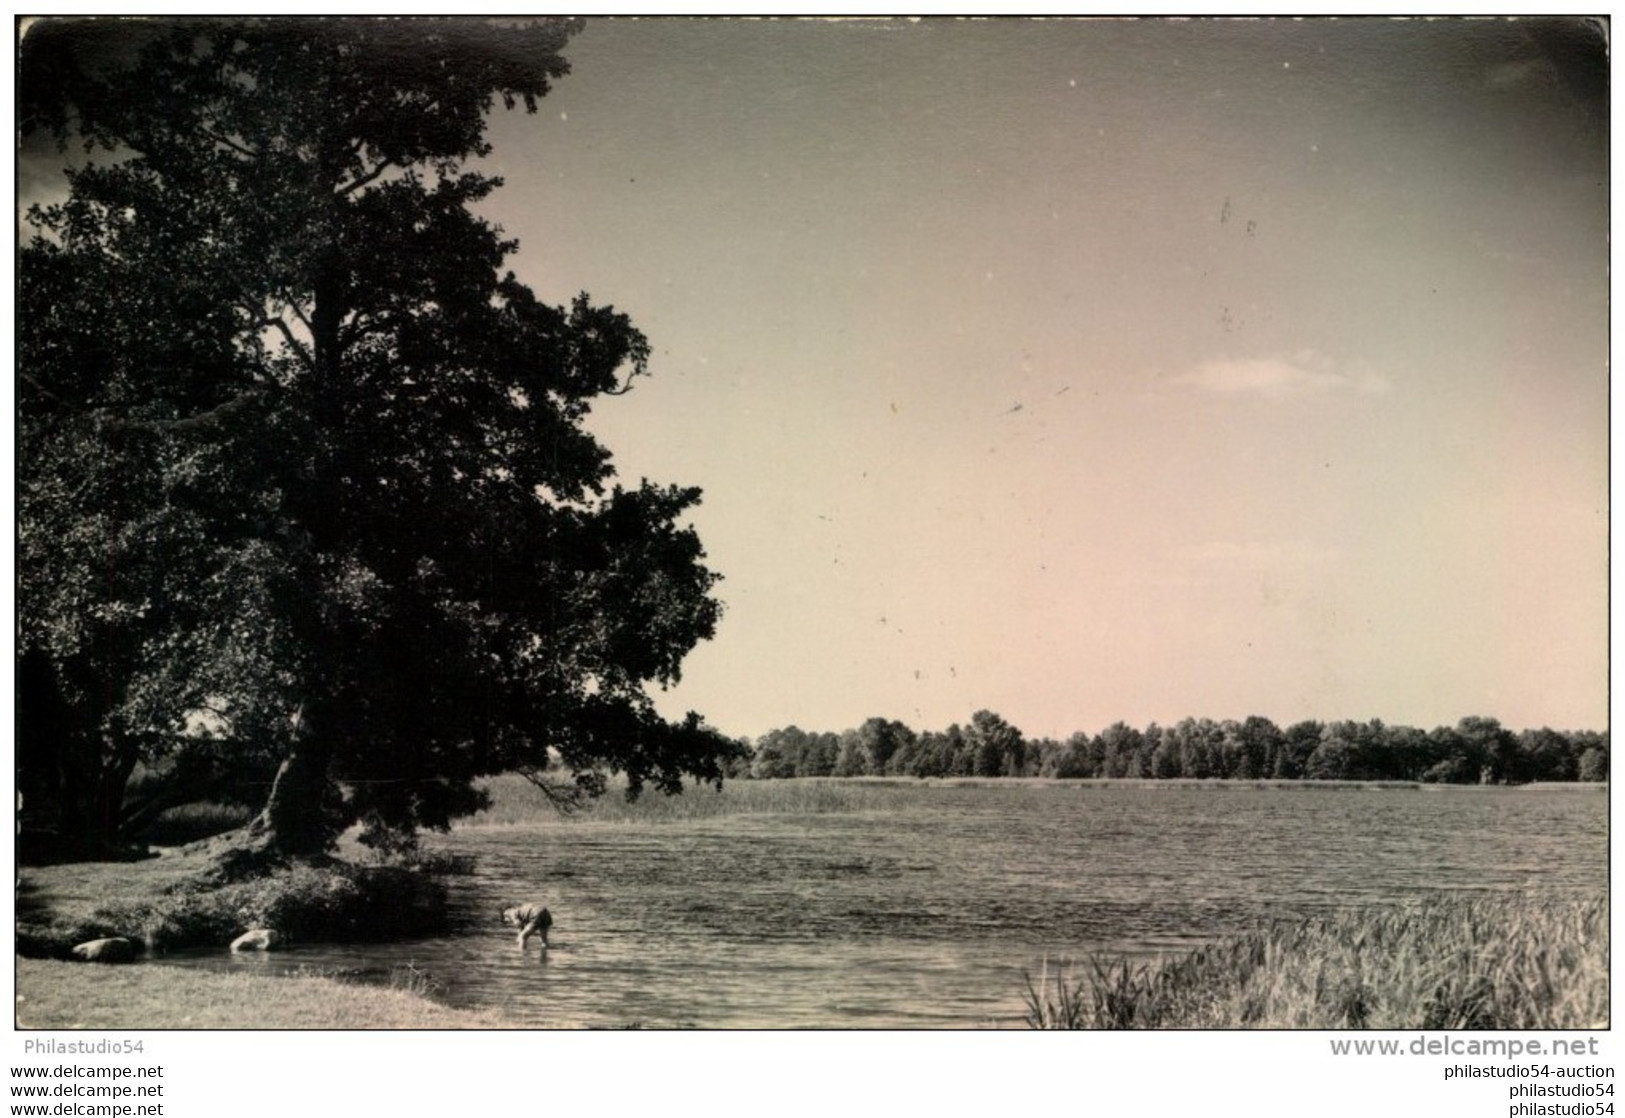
column 304, row 320
column 567, row 798
column 215, row 416
column 625, row 388
column 363, row 180
column 293, row 343
column 226, row 141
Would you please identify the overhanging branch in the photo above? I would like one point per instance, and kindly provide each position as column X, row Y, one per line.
column 566, row 797
column 362, row 180
column 204, row 420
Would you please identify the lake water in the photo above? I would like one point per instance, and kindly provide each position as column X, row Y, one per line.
column 923, row 909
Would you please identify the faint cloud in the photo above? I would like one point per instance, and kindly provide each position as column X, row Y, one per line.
column 1372, row 384
column 1275, row 378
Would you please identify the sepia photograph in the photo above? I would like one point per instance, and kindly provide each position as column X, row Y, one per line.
column 799, row 525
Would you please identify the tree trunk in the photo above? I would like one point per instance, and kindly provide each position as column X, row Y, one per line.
column 294, row 822
column 297, row 822
column 117, row 766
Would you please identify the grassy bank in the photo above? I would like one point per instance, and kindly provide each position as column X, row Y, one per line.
column 177, row 901
column 57, row 995
column 1484, row 963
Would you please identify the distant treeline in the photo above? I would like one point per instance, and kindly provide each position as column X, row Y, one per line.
column 1473, row 751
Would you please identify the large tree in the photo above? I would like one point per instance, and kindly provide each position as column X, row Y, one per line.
column 297, row 450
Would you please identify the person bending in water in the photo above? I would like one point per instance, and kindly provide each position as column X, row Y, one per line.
column 531, row 919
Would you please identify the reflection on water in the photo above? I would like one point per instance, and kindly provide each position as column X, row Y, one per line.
column 925, row 914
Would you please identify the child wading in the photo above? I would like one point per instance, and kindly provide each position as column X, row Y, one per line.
column 531, row 919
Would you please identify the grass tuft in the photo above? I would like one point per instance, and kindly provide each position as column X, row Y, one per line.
column 412, row 979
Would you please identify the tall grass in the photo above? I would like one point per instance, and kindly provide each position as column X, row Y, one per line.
column 412, row 979
column 515, row 802
column 1447, row 963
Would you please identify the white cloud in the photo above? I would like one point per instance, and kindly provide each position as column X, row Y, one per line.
column 1276, row 378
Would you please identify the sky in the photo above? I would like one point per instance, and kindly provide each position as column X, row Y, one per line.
column 1088, row 371
column 1096, row 371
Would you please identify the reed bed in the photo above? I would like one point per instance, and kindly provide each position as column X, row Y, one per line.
column 515, row 802
column 1445, row 963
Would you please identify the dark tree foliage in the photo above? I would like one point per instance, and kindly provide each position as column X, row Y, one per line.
column 1474, row 751
column 297, row 450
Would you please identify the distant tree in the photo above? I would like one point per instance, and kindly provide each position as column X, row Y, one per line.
column 1547, row 755
column 882, row 740
column 776, row 753
column 737, row 764
column 1336, row 757
column 820, row 755
column 1593, row 764
column 1075, row 761
column 1166, row 756
column 1454, row 759
column 1372, row 758
column 958, row 751
column 1120, row 746
column 1494, row 747
column 1145, row 759
column 932, row 756
column 997, row 746
column 1044, row 757
column 1497, row 746
column 853, row 758
column 1200, row 748
column 293, row 445
column 1251, row 747
column 1298, row 743
column 1409, row 751
column 1099, row 759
